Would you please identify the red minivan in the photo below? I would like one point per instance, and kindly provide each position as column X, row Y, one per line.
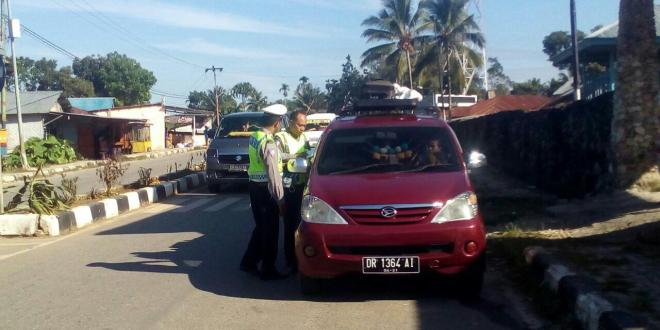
column 389, row 194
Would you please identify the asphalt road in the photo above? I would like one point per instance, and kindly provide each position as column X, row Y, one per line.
column 174, row 265
column 87, row 178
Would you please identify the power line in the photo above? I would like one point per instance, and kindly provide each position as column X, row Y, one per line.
column 113, row 23
column 121, row 35
column 45, row 41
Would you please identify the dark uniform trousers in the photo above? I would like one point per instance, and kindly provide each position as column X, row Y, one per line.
column 263, row 243
column 292, row 218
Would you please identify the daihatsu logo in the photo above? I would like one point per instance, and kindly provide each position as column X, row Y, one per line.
column 388, row 212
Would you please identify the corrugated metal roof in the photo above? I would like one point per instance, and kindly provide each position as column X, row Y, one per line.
column 92, row 103
column 33, row 102
column 503, row 103
column 612, row 30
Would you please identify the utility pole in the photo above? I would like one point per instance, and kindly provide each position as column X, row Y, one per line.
column 215, row 92
column 3, row 99
column 14, row 32
column 577, row 95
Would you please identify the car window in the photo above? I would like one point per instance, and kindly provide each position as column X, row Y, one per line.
column 392, row 149
column 238, row 126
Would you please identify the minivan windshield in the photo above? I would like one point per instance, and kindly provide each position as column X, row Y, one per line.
column 389, row 149
column 238, row 126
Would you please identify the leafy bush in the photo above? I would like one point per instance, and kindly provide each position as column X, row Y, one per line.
column 41, row 152
column 110, row 173
column 70, row 187
column 41, row 197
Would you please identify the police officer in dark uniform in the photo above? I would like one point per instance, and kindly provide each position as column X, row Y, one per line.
column 266, row 196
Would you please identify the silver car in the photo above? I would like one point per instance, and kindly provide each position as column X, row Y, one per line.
column 227, row 156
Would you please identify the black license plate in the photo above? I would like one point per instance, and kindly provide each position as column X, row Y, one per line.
column 390, row 265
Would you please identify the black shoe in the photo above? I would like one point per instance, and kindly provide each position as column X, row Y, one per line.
column 271, row 275
column 249, row 269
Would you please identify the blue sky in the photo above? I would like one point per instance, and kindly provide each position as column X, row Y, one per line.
column 268, row 42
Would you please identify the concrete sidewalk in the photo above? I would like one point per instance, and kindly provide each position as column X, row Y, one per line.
column 85, row 164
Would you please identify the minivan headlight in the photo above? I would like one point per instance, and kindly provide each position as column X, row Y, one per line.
column 461, row 207
column 315, row 210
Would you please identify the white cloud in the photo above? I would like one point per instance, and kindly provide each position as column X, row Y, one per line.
column 349, row 5
column 201, row 46
column 169, row 14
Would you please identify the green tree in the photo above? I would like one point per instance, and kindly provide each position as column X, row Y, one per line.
column 309, row 97
column 243, row 91
column 284, row 89
column 557, row 42
column 499, row 81
column 456, row 38
column 304, row 79
column 89, row 68
column 257, row 101
column 532, row 86
column 635, row 122
column 343, row 91
column 124, row 79
column 398, row 24
column 116, row 75
column 205, row 100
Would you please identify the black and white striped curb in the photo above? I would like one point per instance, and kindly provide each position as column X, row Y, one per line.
column 82, row 216
column 579, row 293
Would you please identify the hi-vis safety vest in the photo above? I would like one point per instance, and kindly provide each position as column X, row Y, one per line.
column 257, row 169
column 291, row 145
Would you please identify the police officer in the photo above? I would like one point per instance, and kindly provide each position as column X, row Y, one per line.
column 266, row 196
column 292, row 143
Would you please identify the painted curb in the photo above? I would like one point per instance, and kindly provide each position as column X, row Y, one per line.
column 82, row 216
column 18, row 224
column 579, row 293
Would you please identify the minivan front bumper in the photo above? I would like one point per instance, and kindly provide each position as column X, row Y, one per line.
column 338, row 249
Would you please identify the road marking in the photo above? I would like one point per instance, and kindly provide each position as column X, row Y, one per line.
column 222, row 204
column 188, row 207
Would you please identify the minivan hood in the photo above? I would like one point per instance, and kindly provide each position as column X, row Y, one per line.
column 389, row 188
column 231, row 145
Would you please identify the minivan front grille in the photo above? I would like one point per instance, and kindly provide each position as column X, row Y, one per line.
column 404, row 213
column 233, row 159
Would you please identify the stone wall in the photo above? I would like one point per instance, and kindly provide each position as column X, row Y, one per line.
column 562, row 150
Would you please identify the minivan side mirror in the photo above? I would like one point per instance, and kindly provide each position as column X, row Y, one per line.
column 476, row 159
column 297, row 165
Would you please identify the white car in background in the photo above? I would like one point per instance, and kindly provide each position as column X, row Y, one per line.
column 316, row 124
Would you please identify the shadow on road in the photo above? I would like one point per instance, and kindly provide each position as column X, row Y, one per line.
column 211, row 263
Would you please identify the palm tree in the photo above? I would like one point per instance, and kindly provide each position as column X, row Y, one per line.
column 454, row 44
column 635, row 117
column 285, row 91
column 309, row 97
column 304, row 79
column 399, row 26
column 257, row 101
column 243, row 91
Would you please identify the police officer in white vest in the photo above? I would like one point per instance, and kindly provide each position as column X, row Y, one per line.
column 292, row 143
column 266, row 196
